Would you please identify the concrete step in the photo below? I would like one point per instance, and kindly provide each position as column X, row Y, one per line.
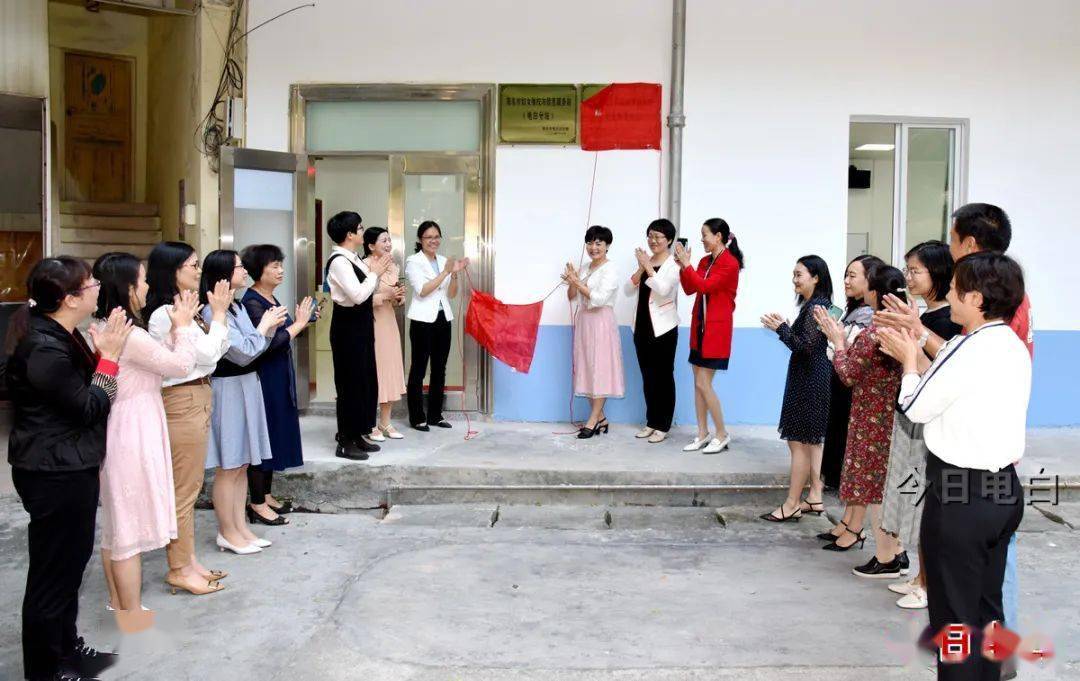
column 109, row 236
column 90, row 251
column 111, row 222
column 112, row 209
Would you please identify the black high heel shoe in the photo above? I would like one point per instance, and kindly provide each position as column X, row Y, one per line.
column 829, row 536
column 816, row 511
column 860, row 539
column 254, row 517
column 286, row 507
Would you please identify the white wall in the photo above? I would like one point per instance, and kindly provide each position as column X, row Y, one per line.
column 870, row 211
column 771, row 87
column 24, row 47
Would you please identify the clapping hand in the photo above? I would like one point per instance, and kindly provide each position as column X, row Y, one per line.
column 460, row 265
column 399, row 294
column 896, row 314
column 109, row 339
column 273, row 318
column 451, row 263
column 379, row 265
column 644, row 258
column 682, row 255
column 183, row 309
column 569, row 274
column 219, row 299
column 772, row 321
column 304, row 310
column 832, row 329
column 901, row 345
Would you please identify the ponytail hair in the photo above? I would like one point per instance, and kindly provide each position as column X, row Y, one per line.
column 720, row 226
column 425, row 226
column 49, row 282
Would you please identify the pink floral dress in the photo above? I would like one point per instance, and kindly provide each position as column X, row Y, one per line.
column 138, row 502
column 874, row 378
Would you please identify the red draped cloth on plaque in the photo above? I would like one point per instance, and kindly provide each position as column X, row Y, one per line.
column 508, row 332
column 622, row 116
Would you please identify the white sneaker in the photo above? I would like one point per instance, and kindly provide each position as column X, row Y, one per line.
column 643, row 433
column 904, row 588
column 717, row 445
column 657, row 436
column 916, row 600
column 697, row 444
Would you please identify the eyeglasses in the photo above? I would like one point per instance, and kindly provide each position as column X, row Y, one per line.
column 657, row 237
column 431, row 238
column 913, row 271
column 94, row 283
column 192, row 265
column 238, row 267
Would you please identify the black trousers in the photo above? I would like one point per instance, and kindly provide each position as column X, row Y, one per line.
column 259, row 483
column 969, row 516
column 62, row 508
column 430, row 343
column 352, row 340
column 656, row 359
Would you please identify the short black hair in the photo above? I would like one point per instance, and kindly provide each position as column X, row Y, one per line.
column 886, row 279
column 999, row 279
column 342, row 225
column 817, row 267
column 255, row 259
column 597, row 232
column 988, row 224
column 664, row 226
column 936, row 258
column 217, row 265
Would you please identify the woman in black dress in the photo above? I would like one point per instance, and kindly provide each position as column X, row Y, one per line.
column 805, row 412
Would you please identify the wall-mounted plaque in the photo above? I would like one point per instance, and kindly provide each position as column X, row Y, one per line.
column 538, row 114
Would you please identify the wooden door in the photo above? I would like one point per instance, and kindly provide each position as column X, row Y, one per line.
column 97, row 131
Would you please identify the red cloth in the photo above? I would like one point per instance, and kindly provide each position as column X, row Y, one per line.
column 622, row 116
column 718, row 289
column 1021, row 324
column 508, row 332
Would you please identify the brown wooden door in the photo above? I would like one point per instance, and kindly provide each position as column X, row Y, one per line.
column 97, row 133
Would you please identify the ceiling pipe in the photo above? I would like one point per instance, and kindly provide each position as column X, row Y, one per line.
column 676, row 121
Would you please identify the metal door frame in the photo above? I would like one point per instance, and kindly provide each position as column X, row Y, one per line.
column 479, row 243
column 303, row 247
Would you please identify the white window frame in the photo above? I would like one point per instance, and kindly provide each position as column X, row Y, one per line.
column 958, row 169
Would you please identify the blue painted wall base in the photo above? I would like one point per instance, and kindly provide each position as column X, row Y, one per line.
column 751, row 389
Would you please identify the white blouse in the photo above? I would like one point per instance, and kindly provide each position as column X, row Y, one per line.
column 603, row 282
column 209, row 347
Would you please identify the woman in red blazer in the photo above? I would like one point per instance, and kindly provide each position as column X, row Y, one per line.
column 715, row 282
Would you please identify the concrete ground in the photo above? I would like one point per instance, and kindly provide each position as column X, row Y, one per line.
column 492, row 593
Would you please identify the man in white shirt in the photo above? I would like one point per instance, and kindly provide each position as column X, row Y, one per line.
column 973, row 401
column 352, row 335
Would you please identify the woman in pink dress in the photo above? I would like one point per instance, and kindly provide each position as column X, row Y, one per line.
column 598, row 370
column 389, row 365
column 137, row 498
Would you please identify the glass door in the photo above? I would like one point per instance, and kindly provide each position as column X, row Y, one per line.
column 263, row 200
column 445, row 189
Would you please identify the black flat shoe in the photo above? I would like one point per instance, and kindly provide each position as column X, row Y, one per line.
column 350, row 453
column 422, row 427
column 254, row 517
column 366, row 446
column 860, row 539
column 442, row 423
column 905, row 564
column 69, row 676
column 773, row 518
column 875, row 569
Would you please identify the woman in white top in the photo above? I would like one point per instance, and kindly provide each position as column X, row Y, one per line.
column 434, row 282
column 598, row 370
column 656, row 327
column 172, row 267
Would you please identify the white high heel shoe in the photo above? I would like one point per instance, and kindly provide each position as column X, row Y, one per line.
column 698, row 443
column 224, row 545
column 717, row 445
column 262, row 543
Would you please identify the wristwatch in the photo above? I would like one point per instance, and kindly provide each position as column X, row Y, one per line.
column 924, row 337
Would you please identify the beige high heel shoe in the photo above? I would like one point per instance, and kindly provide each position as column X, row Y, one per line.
column 391, row 433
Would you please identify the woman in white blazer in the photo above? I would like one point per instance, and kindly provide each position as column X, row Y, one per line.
column 433, row 279
column 656, row 327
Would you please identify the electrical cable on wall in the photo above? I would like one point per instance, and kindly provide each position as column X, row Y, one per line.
column 211, row 130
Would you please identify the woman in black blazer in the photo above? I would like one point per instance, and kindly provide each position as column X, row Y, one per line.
column 61, row 392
